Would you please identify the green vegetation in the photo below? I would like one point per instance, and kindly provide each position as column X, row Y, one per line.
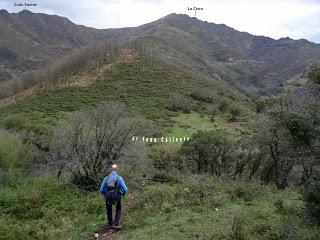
column 311, row 196
column 207, row 188
column 180, row 102
column 294, row 83
column 177, row 77
column 187, row 124
column 314, row 72
column 209, row 208
column 43, row 208
column 14, row 156
column 141, row 83
column 210, row 151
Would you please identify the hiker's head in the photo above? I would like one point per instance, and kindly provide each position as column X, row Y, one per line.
column 114, row 168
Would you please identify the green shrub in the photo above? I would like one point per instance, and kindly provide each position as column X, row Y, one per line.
column 223, row 106
column 14, row 155
column 235, row 113
column 14, row 122
column 246, row 191
column 180, row 102
column 237, row 231
column 203, row 94
column 43, row 208
column 210, row 151
column 287, row 207
column 165, row 157
column 314, row 72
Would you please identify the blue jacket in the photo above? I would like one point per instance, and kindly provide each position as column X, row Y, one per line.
column 121, row 184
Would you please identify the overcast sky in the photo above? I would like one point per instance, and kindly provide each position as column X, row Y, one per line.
column 274, row 18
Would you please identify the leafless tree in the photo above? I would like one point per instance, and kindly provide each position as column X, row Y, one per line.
column 87, row 142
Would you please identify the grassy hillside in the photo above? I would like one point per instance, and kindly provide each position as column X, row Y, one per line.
column 208, row 208
column 187, row 124
column 142, row 83
column 196, row 207
column 42, row 207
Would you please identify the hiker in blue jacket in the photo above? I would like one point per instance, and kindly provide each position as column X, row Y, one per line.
column 113, row 187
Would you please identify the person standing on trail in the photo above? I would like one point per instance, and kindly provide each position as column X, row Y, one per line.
column 112, row 188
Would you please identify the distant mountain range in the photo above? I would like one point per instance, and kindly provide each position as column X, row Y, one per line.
column 254, row 65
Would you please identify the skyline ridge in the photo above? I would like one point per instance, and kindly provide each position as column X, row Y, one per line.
column 168, row 15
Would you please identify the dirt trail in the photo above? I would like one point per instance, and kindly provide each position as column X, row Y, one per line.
column 105, row 233
column 85, row 80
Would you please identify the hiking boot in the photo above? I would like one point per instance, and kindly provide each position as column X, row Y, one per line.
column 117, row 227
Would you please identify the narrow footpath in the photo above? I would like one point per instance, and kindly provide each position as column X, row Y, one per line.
column 106, row 233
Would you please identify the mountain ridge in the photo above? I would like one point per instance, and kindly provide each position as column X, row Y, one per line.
column 271, row 62
column 37, row 39
column 255, row 65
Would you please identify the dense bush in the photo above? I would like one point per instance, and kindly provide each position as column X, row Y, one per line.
column 314, row 72
column 210, row 151
column 166, row 157
column 203, row 94
column 14, row 156
column 180, row 102
column 235, row 113
column 288, row 135
column 263, row 103
column 223, row 106
column 248, row 158
column 14, row 122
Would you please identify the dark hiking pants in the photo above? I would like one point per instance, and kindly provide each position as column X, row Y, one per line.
column 118, row 213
